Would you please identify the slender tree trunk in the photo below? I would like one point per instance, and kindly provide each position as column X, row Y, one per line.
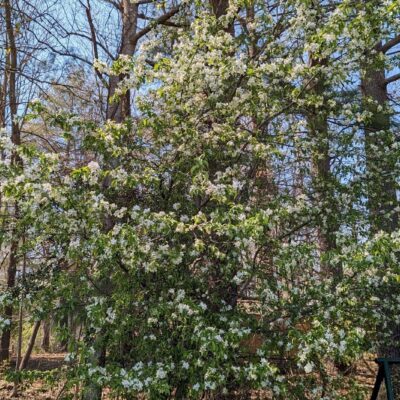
column 3, row 95
column 12, row 71
column 20, row 327
column 16, row 140
column 29, row 349
column 63, row 343
column 8, row 310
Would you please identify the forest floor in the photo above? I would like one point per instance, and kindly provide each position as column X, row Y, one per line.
column 39, row 389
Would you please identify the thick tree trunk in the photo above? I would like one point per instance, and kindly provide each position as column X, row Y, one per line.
column 45, row 345
column 318, row 129
column 380, row 161
column 380, row 167
column 219, row 7
column 117, row 111
column 121, row 109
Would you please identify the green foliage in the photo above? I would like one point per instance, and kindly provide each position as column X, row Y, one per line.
column 192, row 207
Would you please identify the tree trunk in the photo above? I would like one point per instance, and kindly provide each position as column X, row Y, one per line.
column 8, row 310
column 219, row 7
column 31, row 343
column 63, row 343
column 380, row 161
column 117, row 111
column 16, row 140
column 93, row 391
column 45, row 345
column 3, row 96
column 380, row 166
column 323, row 182
column 121, row 109
column 20, row 328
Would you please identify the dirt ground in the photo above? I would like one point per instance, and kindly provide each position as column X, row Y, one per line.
column 39, row 390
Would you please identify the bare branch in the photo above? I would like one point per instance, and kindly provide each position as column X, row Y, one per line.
column 94, row 40
column 391, row 43
column 158, row 21
column 392, row 79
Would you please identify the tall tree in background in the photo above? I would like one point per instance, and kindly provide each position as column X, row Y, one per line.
column 317, row 88
column 381, row 154
column 132, row 32
column 24, row 67
column 118, row 110
column 11, row 72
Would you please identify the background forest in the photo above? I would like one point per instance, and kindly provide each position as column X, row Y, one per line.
column 199, row 199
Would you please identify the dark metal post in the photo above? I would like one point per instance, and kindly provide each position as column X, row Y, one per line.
column 384, row 373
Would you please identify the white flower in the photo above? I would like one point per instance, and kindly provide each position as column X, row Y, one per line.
column 308, row 367
column 185, row 365
column 161, row 374
column 110, row 315
column 218, row 338
column 69, row 357
column 210, row 385
column 126, row 383
column 93, row 166
column 184, row 308
column 329, row 37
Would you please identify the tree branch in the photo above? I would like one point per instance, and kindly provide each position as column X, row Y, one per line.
column 94, row 41
column 158, row 21
column 391, row 43
column 392, row 79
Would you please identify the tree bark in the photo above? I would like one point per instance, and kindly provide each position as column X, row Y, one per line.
column 16, row 140
column 64, row 325
column 380, row 163
column 219, row 7
column 29, row 349
column 8, row 310
column 3, row 96
column 45, row 345
column 380, row 166
column 119, row 110
column 20, row 328
column 323, row 182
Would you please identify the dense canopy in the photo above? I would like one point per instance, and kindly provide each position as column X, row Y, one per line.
column 202, row 196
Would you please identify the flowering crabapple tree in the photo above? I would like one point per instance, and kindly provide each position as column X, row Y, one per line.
column 188, row 249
